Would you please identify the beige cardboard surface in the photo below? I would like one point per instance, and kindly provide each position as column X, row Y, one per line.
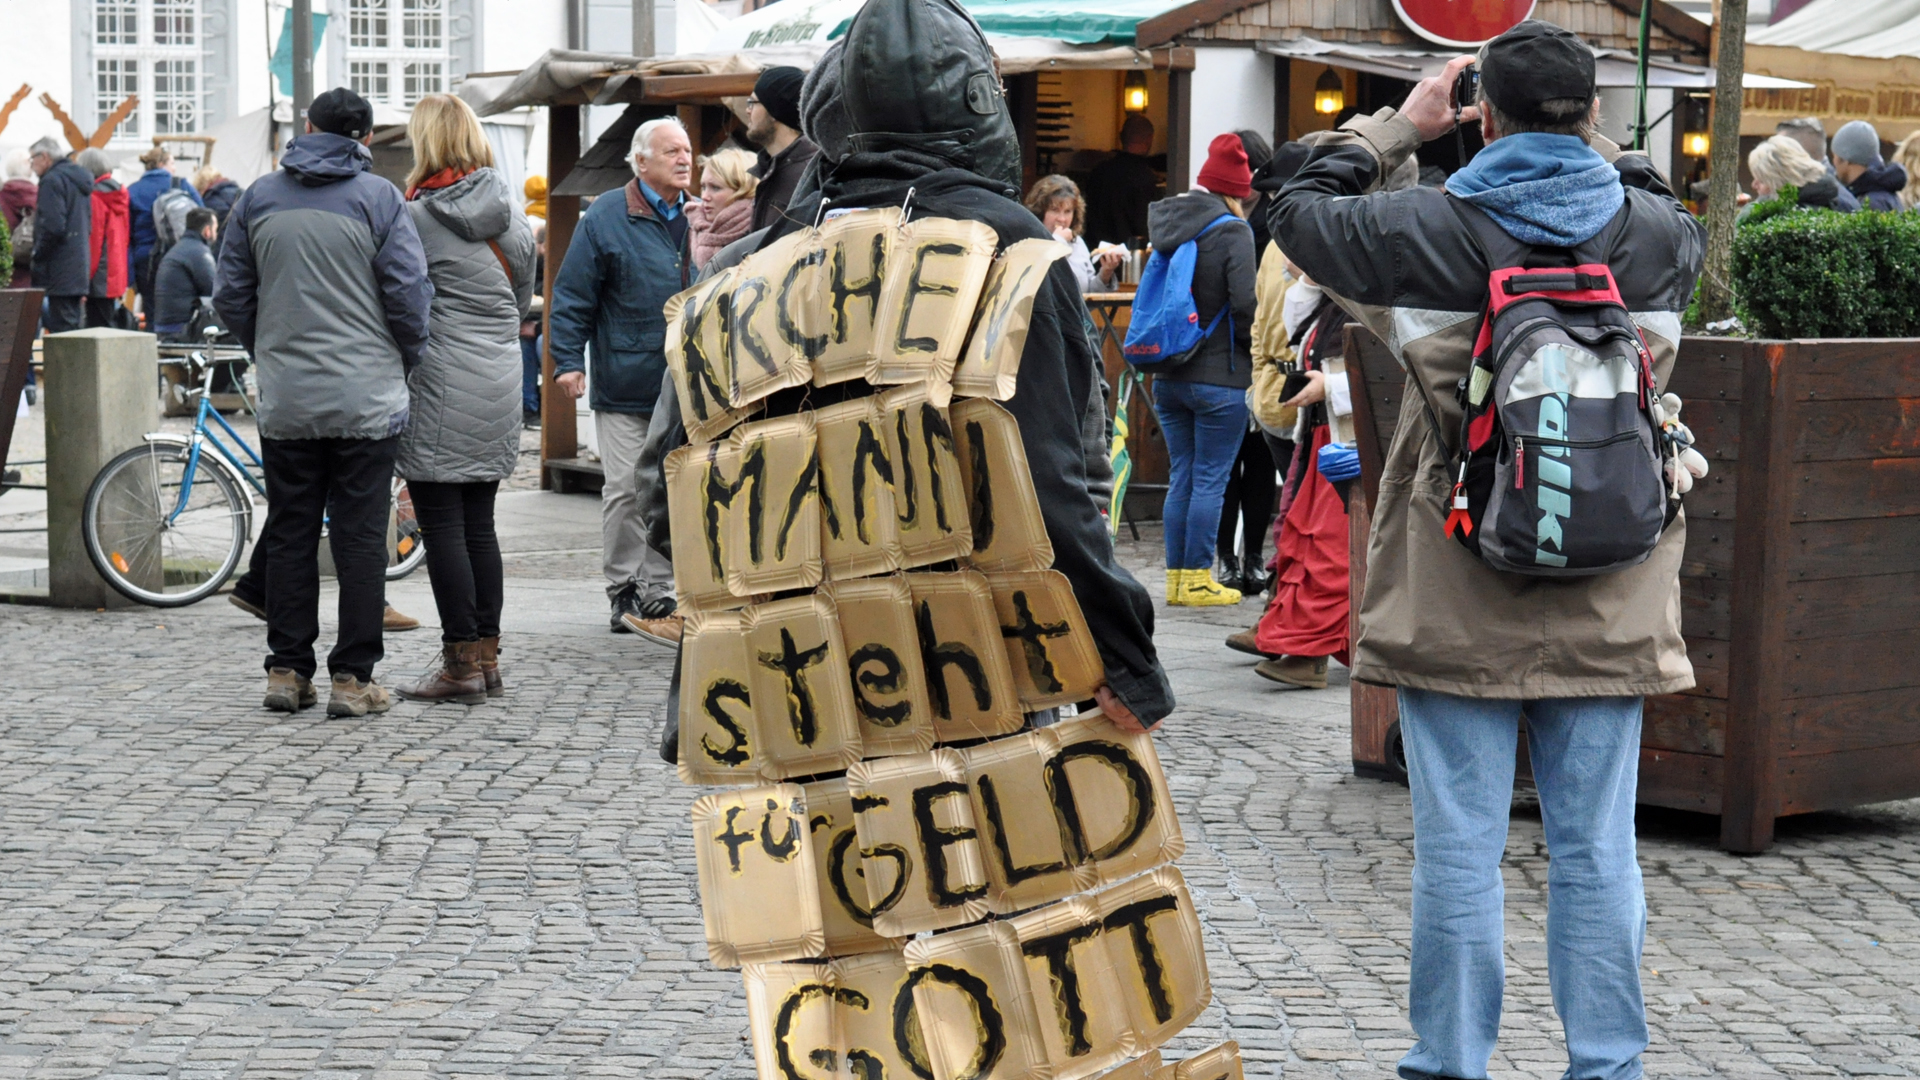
column 969, row 682
column 1153, row 933
column 844, row 906
column 1142, row 1068
column 929, row 492
column 750, row 844
column 771, row 508
column 716, row 703
column 974, row 1006
column 1112, row 798
column 856, row 451
column 792, row 1010
column 699, row 360
column 915, row 824
column 1028, row 860
column 990, row 365
column 803, row 714
column 933, row 284
column 1049, row 646
column 856, row 251
column 696, row 521
column 1002, row 510
column 856, row 1009
column 770, row 340
column 883, row 657
column 1220, row 1062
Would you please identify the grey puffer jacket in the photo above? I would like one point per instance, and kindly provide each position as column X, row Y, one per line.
column 465, row 423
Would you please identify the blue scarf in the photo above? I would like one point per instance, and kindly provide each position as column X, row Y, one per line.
column 1542, row 189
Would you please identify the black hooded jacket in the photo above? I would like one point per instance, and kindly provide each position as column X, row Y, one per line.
column 1879, row 187
column 1224, row 265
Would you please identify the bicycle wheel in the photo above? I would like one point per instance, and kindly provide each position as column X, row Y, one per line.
column 150, row 545
column 406, row 550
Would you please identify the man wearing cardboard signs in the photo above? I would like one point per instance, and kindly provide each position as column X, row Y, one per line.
column 888, row 559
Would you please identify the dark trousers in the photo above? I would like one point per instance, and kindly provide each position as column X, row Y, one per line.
column 64, row 313
column 463, row 556
column 348, row 484
column 1249, row 498
column 99, row 310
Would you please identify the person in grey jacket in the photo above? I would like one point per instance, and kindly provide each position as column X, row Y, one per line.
column 463, row 435
column 62, row 230
column 323, row 279
column 185, row 275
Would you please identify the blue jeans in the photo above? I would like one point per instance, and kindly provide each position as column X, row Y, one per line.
column 1460, row 762
column 1203, row 425
column 530, row 374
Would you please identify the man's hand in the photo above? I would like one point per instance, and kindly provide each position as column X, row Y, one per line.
column 1430, row 106
column 1313, row 393
column 571, row 383
column 1121, row 716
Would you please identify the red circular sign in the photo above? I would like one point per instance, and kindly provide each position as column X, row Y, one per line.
column 1462, row 23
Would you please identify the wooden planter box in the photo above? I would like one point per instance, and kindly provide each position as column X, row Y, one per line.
column 1801, row 584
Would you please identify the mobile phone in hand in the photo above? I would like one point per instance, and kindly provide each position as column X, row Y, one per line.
column 1296, row 382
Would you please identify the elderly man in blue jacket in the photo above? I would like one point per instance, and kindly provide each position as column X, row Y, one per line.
column 628, row 257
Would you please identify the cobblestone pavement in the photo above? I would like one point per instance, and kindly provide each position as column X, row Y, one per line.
column 193, row 887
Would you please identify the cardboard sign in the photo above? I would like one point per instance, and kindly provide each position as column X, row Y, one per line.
column 699, row 357
column 883, row 658
column 856, row 252
column 1220, row 1062
column 717, row 745
column 1118, row 973
column 932, row 286
column 1146, row 1067
column 803, row 712
column 846, row 911
column 856, row 449
column 772, row 508
column 774, row 329
column 1028, row 859
column 919, row 843
column 1049, row 647
column 1002, row 510
column 750, row 844
column 969, row 682
column 974, row 1006
column 990, row 367
column 697, row 523
column 845, row 1020
column 929, row 491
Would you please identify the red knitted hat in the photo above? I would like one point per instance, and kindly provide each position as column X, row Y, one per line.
column 1226, row 171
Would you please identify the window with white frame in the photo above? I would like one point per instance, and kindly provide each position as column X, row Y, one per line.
column 149, row 48
column 397, row 49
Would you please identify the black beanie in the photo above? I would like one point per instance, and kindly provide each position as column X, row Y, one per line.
column 340, row 111
column 779, row 92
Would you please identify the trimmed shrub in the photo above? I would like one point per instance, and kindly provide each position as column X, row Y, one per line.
column 6, row 254
column 1818, row 273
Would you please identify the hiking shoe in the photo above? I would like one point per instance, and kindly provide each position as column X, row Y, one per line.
column 490, row 666
column 288, row 691
column 1200, row 590
column 1306, row 672
column 1246, row 641
column 351, row 697
column 258, row 611
column 457, row 678
column 625, row 602
column 393, row 622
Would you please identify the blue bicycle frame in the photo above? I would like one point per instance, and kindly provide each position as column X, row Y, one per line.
column 204, row 436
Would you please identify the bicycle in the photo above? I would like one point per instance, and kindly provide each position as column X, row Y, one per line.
column 166, row 523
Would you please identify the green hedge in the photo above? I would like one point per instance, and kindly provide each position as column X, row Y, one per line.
column 1818, row 273
column 6, row 254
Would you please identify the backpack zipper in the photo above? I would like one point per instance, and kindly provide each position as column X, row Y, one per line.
column 1583, row 444
column 1519, row 463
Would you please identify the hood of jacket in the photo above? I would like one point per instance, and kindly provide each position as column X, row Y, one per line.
column 318, row 158
column 1544, row 189
column 1172, row 222
column 475, row 207
column 1887, row 176
column 18, row 193
column 1827, row 194
column 918, row 84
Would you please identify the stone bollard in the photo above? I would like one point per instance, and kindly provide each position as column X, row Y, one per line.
column 100, row 401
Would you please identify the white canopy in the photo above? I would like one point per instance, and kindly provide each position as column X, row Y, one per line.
column 1882, row 29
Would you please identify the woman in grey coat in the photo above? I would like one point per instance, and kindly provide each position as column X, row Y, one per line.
column 463, row 428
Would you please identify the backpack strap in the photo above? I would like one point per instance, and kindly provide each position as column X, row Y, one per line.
column 502, row 256
column 1228, row 305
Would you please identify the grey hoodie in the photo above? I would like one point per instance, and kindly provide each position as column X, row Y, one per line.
column 465, row 423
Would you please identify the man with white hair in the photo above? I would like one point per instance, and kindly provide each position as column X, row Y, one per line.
column 628, row 256
column 62, row 233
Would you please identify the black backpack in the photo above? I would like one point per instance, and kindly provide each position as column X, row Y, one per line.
column 1559, row 465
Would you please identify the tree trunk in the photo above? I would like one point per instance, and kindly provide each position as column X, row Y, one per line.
column 1723, row 190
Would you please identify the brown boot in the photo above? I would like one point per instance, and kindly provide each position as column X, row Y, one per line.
column 457, row 678
column 1247, row 641
column 490, row 666
column 394, row 621
column 1306, row 672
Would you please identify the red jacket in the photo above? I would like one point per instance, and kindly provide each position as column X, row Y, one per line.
column 110, row 229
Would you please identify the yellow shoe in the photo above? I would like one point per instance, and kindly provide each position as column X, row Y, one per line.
column 1201, row 590
column 1176, row 583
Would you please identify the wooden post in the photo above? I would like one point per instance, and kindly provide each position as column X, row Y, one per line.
column 1282, row 100
column 1023, row 100
column 1179, row 130
column 558, row 435
column 1729, row 60
column 1756, row 663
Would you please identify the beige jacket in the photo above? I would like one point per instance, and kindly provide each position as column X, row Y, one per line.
column 1433, row 616
column 1270, row 348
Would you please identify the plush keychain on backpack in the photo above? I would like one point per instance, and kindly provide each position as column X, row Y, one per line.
column 1691, row 464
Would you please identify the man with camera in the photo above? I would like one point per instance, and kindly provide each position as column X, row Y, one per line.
column 1476, row 646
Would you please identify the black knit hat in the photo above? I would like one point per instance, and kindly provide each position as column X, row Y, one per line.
column 1533, row 63
column 778, row 90
column 340, row 111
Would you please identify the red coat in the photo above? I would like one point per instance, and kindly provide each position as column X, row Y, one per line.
column 110, row 229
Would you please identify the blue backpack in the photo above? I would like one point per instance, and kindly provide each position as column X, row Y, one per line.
column 1165, row 327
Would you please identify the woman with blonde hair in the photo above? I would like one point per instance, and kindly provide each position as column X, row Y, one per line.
column 725, row 210
column 463, row 432
column 1907, row 156
column 1781, row 162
